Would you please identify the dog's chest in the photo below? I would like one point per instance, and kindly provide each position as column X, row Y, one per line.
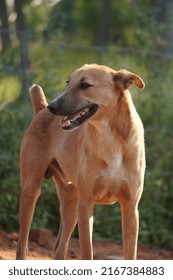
column 113, row 164
column 104, row 154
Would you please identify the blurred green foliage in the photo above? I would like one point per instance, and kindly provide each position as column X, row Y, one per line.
column 54, row 54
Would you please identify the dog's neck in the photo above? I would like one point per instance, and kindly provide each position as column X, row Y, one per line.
column 109, row 137
column 125, row 117
column 118, row 122
column 120, row 118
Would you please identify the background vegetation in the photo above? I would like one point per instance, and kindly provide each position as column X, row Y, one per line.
column 43, row 42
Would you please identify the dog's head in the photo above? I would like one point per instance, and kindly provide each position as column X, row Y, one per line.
column 90, row 89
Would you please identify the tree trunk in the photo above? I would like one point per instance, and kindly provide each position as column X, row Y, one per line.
column 22, row 35
column 163, row 15
column 5, row 38
column 103, row 36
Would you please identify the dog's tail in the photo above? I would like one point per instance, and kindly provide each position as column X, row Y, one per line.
column 38, row 98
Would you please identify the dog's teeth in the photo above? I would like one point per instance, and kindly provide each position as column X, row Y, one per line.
column 66, row 121
column 84, row 112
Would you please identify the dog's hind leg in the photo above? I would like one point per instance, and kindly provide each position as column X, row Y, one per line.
column 68, row 198
column 30, row 192
column 33, row 168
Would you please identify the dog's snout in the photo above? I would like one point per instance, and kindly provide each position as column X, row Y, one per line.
column 56, row 106
column 52, row 107
column 61, row 106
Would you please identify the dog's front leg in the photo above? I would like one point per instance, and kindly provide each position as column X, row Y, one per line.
column 130, row 225
column 68, row 197
column 85, row 227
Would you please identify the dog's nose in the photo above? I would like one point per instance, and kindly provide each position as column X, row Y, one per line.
column 52, row 108
column 61, row 106
column 56, row 106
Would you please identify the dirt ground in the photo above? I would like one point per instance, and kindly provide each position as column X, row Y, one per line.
column 42, row 241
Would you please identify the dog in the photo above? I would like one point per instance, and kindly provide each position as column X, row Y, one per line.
column 91, row 140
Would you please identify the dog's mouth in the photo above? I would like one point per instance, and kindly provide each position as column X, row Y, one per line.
column 75, row 120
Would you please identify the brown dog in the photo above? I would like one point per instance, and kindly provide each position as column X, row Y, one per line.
column 91, row 140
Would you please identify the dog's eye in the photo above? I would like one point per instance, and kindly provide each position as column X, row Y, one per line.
column 85, row 85
column 67, row 82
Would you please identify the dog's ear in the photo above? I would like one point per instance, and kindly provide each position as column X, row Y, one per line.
column 124, row 79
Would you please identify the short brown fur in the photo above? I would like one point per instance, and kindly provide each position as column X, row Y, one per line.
column 102, row 161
